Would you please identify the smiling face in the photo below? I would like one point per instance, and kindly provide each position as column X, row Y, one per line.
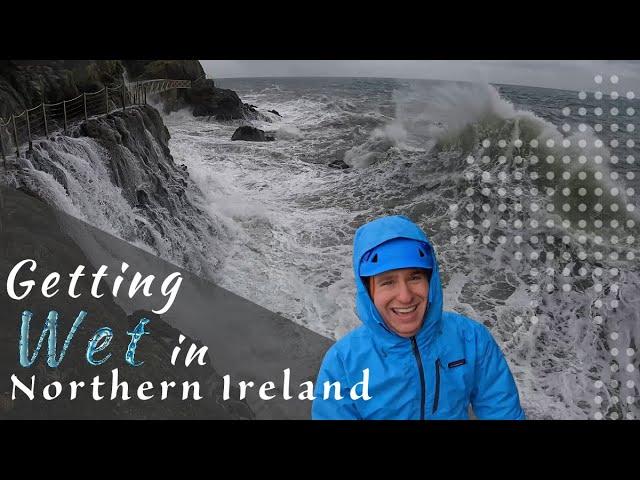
column 401, row 297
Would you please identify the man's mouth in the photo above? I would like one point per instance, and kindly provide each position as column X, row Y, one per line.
column 404, row 311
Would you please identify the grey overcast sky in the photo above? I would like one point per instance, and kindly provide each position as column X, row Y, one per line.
column 564, row 74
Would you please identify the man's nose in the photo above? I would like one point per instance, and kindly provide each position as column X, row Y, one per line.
column 404, row 294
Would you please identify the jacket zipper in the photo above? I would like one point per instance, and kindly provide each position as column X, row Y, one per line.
column 416, row 353
column 436, row 399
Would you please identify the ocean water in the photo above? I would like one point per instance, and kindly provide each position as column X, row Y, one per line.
column 515, row 191
column 529, row 196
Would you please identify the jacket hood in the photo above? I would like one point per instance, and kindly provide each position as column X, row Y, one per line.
column 370, row 236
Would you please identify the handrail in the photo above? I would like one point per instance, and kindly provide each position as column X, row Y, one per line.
column 41, row 122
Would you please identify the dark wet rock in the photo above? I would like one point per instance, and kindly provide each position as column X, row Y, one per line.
column 134, row 150
column 275, row 112
column 339, row 164
column 25, row 83
column 219, row 103
column 143, row 198
column 171, row 69
column 206, row 100
column 39, row 234
column 123, row 135
column 203, row 98
column 251, row 134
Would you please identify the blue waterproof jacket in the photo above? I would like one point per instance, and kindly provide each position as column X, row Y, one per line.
column 451, row 363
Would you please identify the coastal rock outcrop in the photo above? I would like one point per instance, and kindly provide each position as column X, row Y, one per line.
column 251, row 134
column 26, row 83
column 124, row 157
column 219, row 103
column 203, row 98
column 339, row 164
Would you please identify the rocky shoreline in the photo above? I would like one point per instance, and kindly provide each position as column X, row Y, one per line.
column 126, row 151
column 137, row 161
column 27, row 83
column 119, row 166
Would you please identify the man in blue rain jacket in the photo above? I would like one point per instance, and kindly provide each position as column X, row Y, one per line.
column 421, row 362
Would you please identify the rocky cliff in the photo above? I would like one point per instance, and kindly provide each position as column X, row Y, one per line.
column 27, row 83
column 115, row 169
column 204, row 98
column 116, row 172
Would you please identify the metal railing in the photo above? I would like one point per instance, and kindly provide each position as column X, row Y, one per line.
column 19, row 131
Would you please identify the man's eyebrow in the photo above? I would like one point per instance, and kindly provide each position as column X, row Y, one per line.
column 384, row 276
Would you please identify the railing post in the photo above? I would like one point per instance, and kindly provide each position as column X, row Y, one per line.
column 137, row 94
column 29, row 133
column 2, row 144
column 64, row 111
column 44, row 115
column 15, row 135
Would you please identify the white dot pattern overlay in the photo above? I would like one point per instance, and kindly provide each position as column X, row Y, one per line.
column 563, row 207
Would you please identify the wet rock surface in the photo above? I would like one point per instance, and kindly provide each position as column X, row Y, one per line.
column 251, row 134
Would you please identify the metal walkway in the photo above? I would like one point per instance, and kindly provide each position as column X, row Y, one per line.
column 18, row 131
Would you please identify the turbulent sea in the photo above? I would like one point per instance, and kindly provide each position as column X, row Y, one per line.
column 529, row 196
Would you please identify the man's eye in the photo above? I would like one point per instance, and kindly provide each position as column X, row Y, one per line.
column 385, row 282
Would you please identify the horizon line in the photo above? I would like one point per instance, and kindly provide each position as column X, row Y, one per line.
column 391, row 78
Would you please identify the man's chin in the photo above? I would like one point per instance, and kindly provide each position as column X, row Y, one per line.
column 407, row 330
